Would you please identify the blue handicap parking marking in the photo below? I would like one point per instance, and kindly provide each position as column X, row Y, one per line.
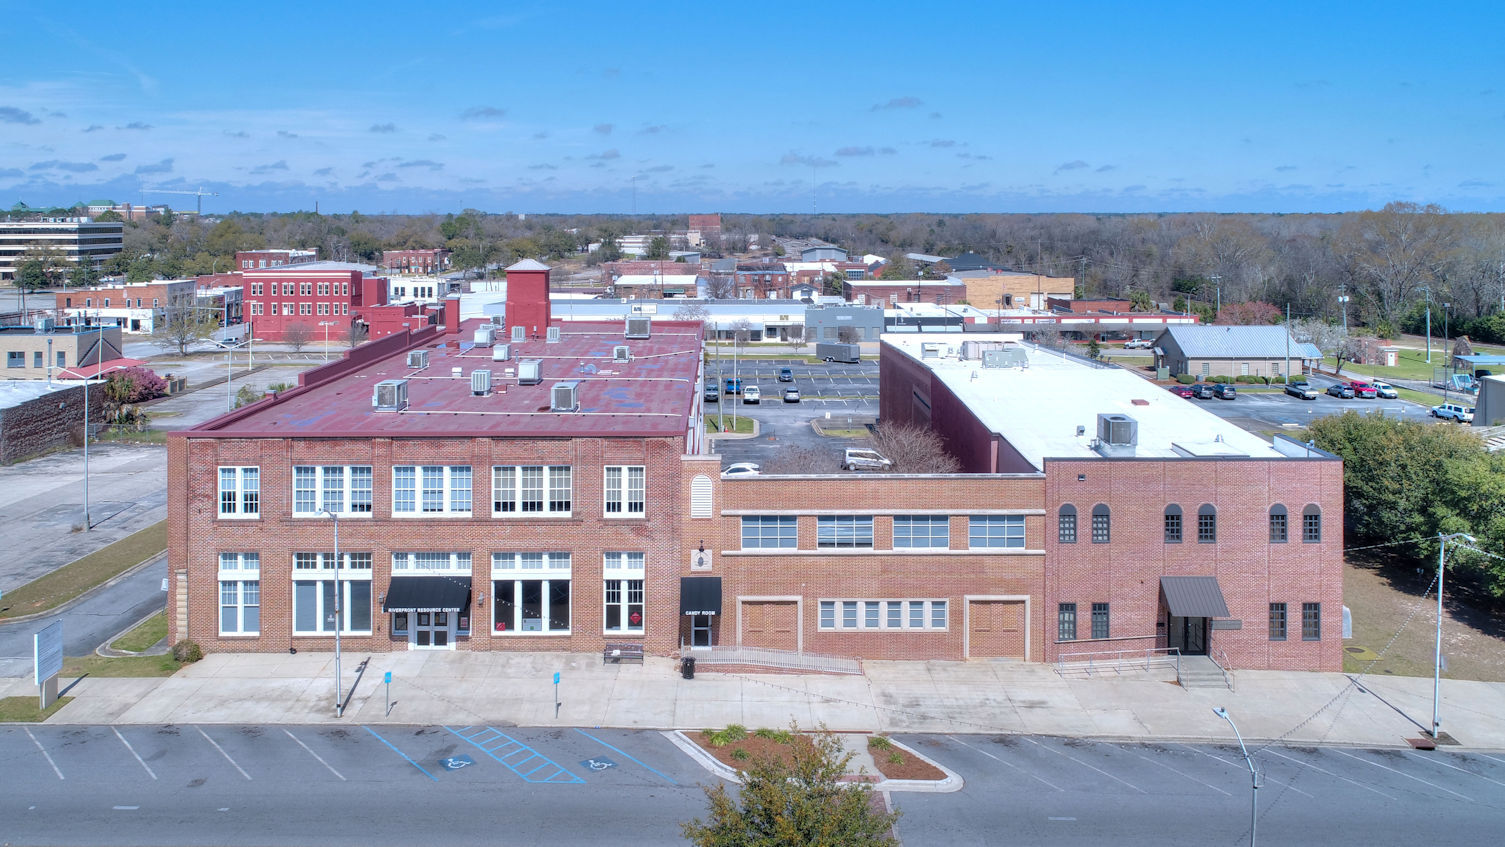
column 600, row 763
column 454, row 763
column 516, row 756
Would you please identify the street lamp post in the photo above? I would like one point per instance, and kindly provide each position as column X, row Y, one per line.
column 99, row 366
column 1253, row 774
column 1442, row 546
column 326, row 325
column 1429, row 323
column 339, row 707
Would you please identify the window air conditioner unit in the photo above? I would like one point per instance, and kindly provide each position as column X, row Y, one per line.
column 621, row 354
column 519, row 334
column 390, row 395
column 480, row 383
column 529, row 371
column 564, row 397
column 551, row 335
column 1119, row 430
column 483, row 336
column 639, row 327
column 501, row 352
column 418, row 359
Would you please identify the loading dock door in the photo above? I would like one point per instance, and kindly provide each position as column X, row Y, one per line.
column 770, row 624
column 996, row 629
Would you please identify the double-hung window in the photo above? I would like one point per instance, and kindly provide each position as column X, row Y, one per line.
column 239, row 594
column 844, row 532
column 761, row 532
column 1311, row 621
column 531, row 490
column 1099, row 620
column 1066, row 622
column 431, row 490
column 922, row 532
column 623, row 592
column 317, row 607
column 339, row 489
column 240, row 492
column 1277, row 621
column 532, row 593
column 995, row 531
column 626, row 491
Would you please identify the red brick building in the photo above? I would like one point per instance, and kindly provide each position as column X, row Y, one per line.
column 275, row 300
column 249, row 260
column 891, row 292
column 430, row 261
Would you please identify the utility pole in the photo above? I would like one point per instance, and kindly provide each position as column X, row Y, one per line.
column 1217, row 284
column 1343, row 304
column 1288, row 344
column 1429, row 323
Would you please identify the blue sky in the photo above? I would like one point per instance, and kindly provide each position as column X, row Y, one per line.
column 771, row 107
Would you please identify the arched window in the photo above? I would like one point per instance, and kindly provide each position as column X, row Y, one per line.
column 1278, row 521
column 1101, row 524
column 1311, row 524
column 1207, row 524
column 1066, row 524
column 1173, row 524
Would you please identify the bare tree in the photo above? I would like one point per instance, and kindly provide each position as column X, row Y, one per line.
column 692, row 312
column 803, row 460
column 796, row 338
column 1396, row 252
column 181, row 325
column 1330, row 339
column 355, row 334
column 722, row 287
column 848, row 335
column 297, row 336
column 741, row 333
column 913, row 449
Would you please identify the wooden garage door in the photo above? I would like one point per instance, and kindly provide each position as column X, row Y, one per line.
column 767, row 623
column 997, row 629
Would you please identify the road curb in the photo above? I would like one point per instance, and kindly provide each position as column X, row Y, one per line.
column 952, row 782
column 86, row 594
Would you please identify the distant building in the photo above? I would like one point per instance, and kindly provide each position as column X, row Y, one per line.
column 427, row 262
column 257, row 259
column 279, row 298
column 48, row 349
column 136, row 307
column 1232, row 351
column 893, row 291
column 703, row 228
column 1006, row 289
column 73, row 239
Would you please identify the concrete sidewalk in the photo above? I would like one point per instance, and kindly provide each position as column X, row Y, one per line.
column 956, row 697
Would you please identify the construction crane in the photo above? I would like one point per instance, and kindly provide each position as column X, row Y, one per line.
column 199, row 195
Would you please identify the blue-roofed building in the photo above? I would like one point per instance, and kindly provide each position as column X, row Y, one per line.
column 1233, row 351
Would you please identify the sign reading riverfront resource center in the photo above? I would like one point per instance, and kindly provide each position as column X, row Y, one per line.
column 47, row 659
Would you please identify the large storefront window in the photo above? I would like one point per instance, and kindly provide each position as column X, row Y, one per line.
column 532, row 593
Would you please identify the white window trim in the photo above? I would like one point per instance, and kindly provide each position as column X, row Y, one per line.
column 1023, row 530
column 328, row 576
column 883, row 625
column 610, row 571
column 403, row 563
column 894, row 533
column 516, row 575
column 240, row 490
column 326, row 567
column 620, row 494
column 969, row 599
column 549, row 472
column 347, row 492
column 627, row 628
column 449, row 492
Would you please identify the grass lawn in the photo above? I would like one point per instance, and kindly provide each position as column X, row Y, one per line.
column 97, row 665
column 845, row 433
column 75, row 578
column 720, row 423
column 1412, row 365
column 24, row 709
column 150, row 436
column 1421, row 397
column 144, row 635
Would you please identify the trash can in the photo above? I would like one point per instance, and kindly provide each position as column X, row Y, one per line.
column 687, row 667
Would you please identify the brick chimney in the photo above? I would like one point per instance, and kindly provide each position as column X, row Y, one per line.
column 528, row 297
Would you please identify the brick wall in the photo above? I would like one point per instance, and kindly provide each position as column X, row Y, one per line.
column 45, row 423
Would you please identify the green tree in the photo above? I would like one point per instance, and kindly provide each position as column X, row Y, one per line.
column 1139, row 301
column 31, row 275
column 1094, row 349
column 899, row 268
column 658, row 248
column 801, row 802
column 833, row 283
column 108, row 216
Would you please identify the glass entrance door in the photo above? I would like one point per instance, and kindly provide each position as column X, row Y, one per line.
column 1189, row 635
column 700, row 632
column 431, row 631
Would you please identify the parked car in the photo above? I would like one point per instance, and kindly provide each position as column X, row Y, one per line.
column 1182, row 391
column 752, row 395
column 733, row 385
column 711, row 394
column 1340, row 389
column 1224, row 391
column 1454, row 411
column 1363, row 390
column 742, row 469
column 1302, row 390
column 1385, row 390
column 791, row 395
column 786, row 375
column 859, row 459
column 1138, row 344
column 1202, row 391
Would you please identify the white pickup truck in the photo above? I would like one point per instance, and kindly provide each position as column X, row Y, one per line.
column 1138, row 344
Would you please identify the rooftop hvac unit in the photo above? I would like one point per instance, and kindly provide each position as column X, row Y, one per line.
column 640, row 326
column 390, row 395
column 621, row 354
column 44, row 324
column 418, row 359
column 529, row 371
column 483, row 335
column 480, row 383
column 564, row 397
column 501, row 352
column 456, row 373
column 519, row 334
column 551, row 335
column 932, row 350
column 1117, row 430
column 498, row 320
column 1009, row 357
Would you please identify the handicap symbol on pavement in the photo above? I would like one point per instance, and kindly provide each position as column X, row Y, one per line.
column 454, row 763
column 600, row 764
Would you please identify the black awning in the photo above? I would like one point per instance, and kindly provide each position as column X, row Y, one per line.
column 427, row 594
column 700, row 595
column 1193, row 596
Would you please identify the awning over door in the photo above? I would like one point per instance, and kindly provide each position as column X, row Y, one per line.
column 700, row 595
column 428, row 594
column 1193, row 596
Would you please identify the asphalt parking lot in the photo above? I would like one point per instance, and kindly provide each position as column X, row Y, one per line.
column 843, row 396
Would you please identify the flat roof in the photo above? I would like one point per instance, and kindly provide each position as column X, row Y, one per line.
column 1037, row 409
column 654, row 394
column 14, row 392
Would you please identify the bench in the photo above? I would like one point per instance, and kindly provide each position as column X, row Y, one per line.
column 619, row 653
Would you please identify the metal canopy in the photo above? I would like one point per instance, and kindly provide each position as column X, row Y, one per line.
column 428, row 594
column 700, row 595
column 1193, row 596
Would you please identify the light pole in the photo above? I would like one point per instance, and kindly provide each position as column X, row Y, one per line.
column 1429, row 323
column 1217, row 284
column 339, row 707
column 99, row 366
column 326, row 325
column 1442, row 547
column 1253, row 774
column 1343, row 304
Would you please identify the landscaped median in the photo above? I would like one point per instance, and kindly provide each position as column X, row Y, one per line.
column 75, row 578
column 730, row 752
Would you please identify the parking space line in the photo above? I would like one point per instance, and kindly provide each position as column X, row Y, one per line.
column 628, row 755
column 1442, row 764
column 44, row 752
column 1274, row 752
column 1240, row 766
column 1173, row 770
column 315, row 755
column 486, row 739
column 222, row 752
column 1005, row 762
column 1403, row 773
column 402, row 754
column 133, row 752
column 1085, row 765
column 1491, row 758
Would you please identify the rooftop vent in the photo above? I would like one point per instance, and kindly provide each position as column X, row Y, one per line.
column 390, row 395
column 1009, row 357
column 639, row 326
column 932, row 350
column 480, row 383
column 418, row 359
column 519, row 334
column 1117, row 434
column 564, row 397
column 498, row 320
column 44, row 325
column 483, row 335
column 501, row 352
column 529, row 371
column 621, row 354
column 551, row 335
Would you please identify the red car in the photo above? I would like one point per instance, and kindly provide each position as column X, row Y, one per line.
column 1183, row 391
column 1364, row 389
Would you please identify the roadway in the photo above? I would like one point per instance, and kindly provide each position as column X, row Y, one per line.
column 90, row 622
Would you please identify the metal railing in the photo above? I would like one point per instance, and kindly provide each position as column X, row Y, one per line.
column 1117, row 661
column 1220, row 659
column 782, row 659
